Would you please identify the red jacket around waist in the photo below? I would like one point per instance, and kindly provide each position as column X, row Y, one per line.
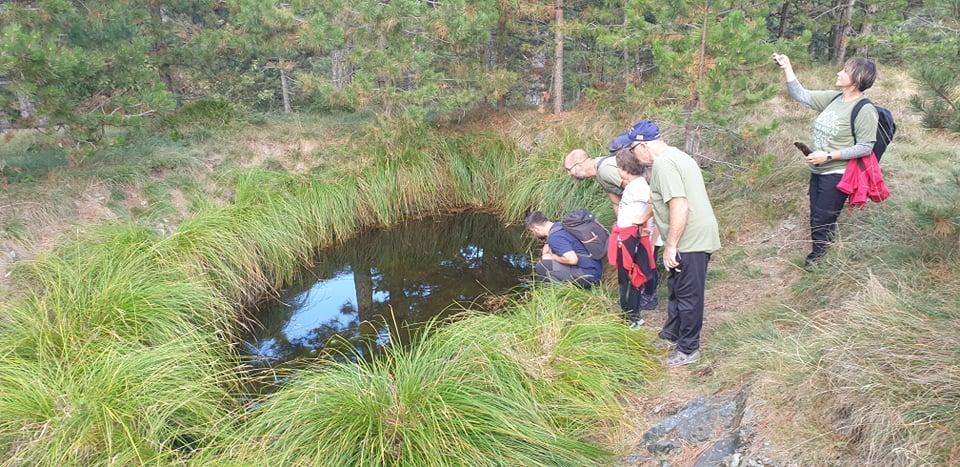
column 863, row 179
column 617, row 238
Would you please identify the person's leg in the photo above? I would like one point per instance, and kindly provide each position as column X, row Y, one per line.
column 689, row 290
column 553, row 271
column 653, row 278
column 825, row 207
column 671, row 326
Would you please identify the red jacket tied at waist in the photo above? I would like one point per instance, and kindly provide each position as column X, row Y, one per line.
column 863, row 179
column 617, row 238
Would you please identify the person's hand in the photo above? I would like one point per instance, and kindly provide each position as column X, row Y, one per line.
column 783, row 61
column 816, row 157
column 670, row 257
column 546, row 249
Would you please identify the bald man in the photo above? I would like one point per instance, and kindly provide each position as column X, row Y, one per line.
column 580, row 166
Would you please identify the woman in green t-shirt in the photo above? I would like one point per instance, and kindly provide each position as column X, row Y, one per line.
column 834, row 142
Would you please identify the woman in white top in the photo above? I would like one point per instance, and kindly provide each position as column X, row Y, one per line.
column 633, row 227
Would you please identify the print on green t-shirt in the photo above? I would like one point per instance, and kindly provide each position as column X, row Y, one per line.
column 831, row 129
column 676, row 174
column 608, row 176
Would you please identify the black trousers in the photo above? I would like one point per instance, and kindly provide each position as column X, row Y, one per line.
column 685, row 308
column 553, row 271
column 630, row 295
column 826, row 202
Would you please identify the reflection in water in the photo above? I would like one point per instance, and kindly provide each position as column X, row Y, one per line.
column 404, row 275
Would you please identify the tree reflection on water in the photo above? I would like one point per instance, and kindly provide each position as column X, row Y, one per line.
column 365, row 294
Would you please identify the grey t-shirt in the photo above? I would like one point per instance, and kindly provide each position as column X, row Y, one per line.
column 608, row 176
column 831, row 129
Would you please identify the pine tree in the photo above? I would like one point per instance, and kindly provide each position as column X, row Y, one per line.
column 81, row 68
column 938, row 66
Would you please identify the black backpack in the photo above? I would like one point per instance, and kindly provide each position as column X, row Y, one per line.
column 886, row 127
column 582, row 224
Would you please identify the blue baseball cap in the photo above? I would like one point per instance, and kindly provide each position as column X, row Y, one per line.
column 644, row 130
column 619, row 142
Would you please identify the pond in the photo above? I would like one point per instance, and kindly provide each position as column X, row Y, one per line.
column 372, row 290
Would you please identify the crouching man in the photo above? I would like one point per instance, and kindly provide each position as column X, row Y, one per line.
column 564, row 257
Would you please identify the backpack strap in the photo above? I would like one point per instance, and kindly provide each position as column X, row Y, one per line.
column 853, row 122
column 604, row 159
column 853, row 117
column 853, row 126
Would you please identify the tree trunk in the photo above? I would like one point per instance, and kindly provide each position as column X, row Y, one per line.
column 626, row 48
column 867, row 26
column 285, row 88
column 843, row 33
column 558, row 60
column 25, row 105
column 784, row 18
column 341, row 73
column 499, row 44
column 691, row 128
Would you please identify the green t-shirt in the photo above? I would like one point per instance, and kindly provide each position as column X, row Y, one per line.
column 676, row 175
column 608, row 176
column 831, row 129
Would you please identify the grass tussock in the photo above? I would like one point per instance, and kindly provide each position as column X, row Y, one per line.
column 112, row 403
column 543, row 378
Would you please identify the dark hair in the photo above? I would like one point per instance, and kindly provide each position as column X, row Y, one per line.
column 862, row 71
column 534, row 218
column 629, row 163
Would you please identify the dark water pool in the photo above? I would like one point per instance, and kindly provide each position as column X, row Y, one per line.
column 366, row 293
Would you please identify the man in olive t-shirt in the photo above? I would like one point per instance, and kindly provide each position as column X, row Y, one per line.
column 684, row 215
column 580, row 166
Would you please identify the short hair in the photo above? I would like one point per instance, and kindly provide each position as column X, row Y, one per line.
column 535, row 218
column 629, row 163
column 862, row 71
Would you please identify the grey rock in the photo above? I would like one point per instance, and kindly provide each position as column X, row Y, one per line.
column 715, row 455
column 734, row 460
column 696, row 422
column 663, row 447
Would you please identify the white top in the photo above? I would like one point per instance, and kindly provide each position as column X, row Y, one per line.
column 633, row 202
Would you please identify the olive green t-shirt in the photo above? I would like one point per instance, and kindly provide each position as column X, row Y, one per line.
column 608, row 176
column 831, row 129
column 676, row 175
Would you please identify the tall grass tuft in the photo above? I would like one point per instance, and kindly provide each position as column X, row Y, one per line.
column 541, row 379
column 539, row 181
column 110, row 285
column 575, row 354
column 115, row 403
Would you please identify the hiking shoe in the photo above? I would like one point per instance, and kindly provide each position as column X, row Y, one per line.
column 648, row 302
column 810, row 262
column 664, row 344
column 678, row 358
column 636, row 323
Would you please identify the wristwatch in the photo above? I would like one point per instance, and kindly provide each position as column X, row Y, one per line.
column 829, row 157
